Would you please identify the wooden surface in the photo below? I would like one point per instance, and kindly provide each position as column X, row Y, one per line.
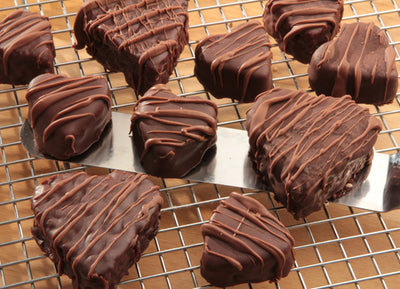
column 338, row 246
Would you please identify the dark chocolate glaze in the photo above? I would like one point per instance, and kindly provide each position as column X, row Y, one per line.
column 172, row 133
column 94, row 228
column 236, row 65
column 309, row 148
column 26, row 47
column 358, row 62
column 244, row 242
column 67, row 114
column 141, row 38
column 301, row 26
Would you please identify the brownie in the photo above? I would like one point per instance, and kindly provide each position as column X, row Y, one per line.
column 235, row 65
column 359, row 62
column 141, row 38
column 94, row 228
column 301, row 26
column 309, row 148
column 244, row 242
column 26, row 47
column 67, row 114
column 172, row 133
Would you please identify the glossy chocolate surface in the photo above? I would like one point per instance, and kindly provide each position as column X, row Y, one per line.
column 236, row 65
column 67, row 114
column 358, row 62
column 141, row 38
column 244, row 242
column 172, row 133
column 26, row 47
column 309, row 148
column 94, row 228
column 301, row 26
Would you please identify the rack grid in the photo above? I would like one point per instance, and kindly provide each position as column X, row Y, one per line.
column 337, row 247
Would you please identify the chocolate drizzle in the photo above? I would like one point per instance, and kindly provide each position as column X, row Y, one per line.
column 308, row 148
column 95, row 227
column 67, row 115
column 26, row 47
column 358, row 62
column 172, row 133
column 236, row 65
column 141, row 38
column 244, row 242
column 301, row 26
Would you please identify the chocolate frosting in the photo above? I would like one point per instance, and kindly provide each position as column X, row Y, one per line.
column 236, row 65
column 141, row 38
column 172, row 133
column 67, row 114
column 26, row 47
column 94, row 228
column 301, row 26
column 244, row 242
column 358, row 62
column 309, row 148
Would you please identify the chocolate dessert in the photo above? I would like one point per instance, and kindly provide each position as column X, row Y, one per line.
column 172, row 133
column 94, row 228
column 359, row 62
column 301, row 26
column 141, row 38
column 244, row 242
column 308, row 148
column 67, row 114
column 236, row 65
column 26, row 47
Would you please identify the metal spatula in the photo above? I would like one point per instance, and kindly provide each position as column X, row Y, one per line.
column 228, row 163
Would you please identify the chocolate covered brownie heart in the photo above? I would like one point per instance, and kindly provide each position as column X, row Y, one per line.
column 359, row 62
column 141, row 38
column 309, row 149
column 244, row 242
column 67, row 114
column 94, row 228
column 26, row 47
column 172, row 133
column 235, row 65
column 301, row 26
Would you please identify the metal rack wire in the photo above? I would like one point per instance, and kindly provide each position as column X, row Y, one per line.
column 338, row 247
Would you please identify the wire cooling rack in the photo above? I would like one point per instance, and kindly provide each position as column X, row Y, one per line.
column 337, row 247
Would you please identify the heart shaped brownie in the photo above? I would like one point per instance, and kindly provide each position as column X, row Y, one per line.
column 236, row 65
column 26, row 47
column 301, row 26
column 359, row 62
column 172, row 133
column 244, row 242
column 67, row 114
column 94, row 228
column 141, row 38
column 309, row 149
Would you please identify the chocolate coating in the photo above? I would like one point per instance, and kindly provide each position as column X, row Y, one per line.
column 244, row 242
column 236, row 65
column 67, row 114
column 141, row 38
column 94, row 228
column 309, row 148
column 172, row 133
column 358, row 62
column 301, row 26
column 26, row 47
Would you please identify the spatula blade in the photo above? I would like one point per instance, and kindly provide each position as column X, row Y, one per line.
column 228, row 163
